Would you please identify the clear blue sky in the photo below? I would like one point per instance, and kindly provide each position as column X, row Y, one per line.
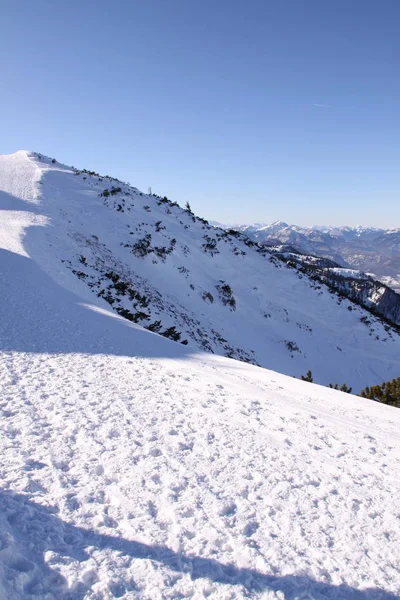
column 253, row 110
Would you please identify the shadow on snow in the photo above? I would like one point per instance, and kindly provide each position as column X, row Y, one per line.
column 39, row 529
column 52, row 319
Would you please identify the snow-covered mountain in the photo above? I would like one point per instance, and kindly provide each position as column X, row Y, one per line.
column 164, row 268
column 368, row 249
column 134, row 467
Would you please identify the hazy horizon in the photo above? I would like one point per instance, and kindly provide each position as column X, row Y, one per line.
column 302, row 225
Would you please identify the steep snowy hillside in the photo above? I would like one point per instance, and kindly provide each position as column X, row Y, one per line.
column 368, row 249
column 160, row 266
column 357, row 286
column 133, row 467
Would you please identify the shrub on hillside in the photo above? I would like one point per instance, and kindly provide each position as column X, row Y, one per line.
column 226, row 295
column 308, row 377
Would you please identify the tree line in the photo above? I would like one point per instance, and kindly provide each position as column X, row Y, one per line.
column 387, row 392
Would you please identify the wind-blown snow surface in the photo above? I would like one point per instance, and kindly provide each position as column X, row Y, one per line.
column 133, row 467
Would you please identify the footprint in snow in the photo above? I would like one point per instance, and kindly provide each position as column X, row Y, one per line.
column 33, row 465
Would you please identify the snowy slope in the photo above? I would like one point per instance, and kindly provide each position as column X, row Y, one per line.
column 163, row 267
column 137, row 468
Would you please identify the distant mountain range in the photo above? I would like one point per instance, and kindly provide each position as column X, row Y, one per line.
column 369, row 249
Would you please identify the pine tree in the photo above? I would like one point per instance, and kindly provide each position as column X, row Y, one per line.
column 307, row 377
column 342, row 388
column 387, row 393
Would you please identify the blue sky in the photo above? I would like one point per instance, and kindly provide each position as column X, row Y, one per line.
column 253, row 110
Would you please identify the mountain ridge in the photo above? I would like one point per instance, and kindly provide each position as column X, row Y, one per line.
column 161, row 266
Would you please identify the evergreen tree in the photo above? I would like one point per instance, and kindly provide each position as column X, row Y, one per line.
column 387, row 393
column 307, row 377
column 342, row 388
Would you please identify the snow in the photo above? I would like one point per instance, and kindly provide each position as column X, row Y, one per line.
column 352, row 273
column 135, row 467
column 20, row 176
column 393, row 282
